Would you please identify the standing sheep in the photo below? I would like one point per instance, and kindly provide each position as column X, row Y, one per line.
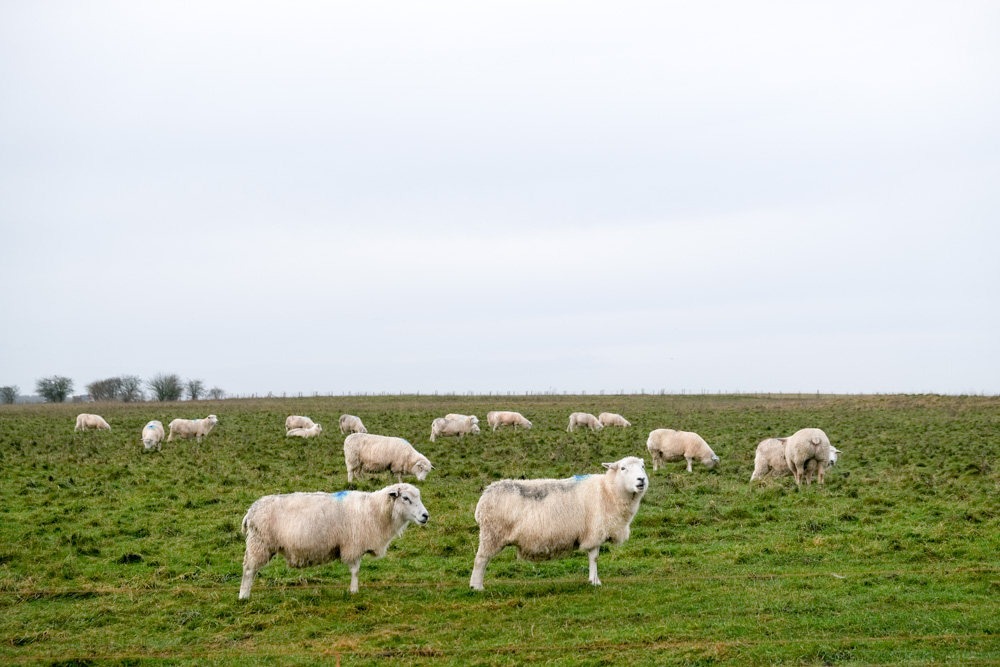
column 87, row 422
column 584, row 419
column 459, row 427
column 770, row 458
column 505, row 418
column 310, row 432
column 612, row 419
column 365, row 452
column 806, row 450
column 474, row 418
column 352, row 424
column 192, row 428
column 315, row 528
column 297, row 421
column 549, row 518
column 152, row 435
column 666, row 444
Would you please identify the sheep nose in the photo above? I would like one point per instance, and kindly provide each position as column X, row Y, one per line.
column 426, row 516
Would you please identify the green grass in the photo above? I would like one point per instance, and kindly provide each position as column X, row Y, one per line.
column 114, row 555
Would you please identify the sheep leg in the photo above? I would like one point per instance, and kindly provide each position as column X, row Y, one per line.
column 487, row 550
column 689, row 465
column 354, row 566
column 256, row 557
column 399, row 477
column 820, row 472
column 592, row 554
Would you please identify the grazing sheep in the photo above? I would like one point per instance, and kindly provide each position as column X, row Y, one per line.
column 505, row 418
column 313, row 430
column 475, row 419
column 86, row 422
column 666, row 444
column 152, row 435
column 584, row 419
column 459, row 427
column 806, row 450
column 297, row 421
column 352, row 424
column 548, row 518
column 365, row 452
column 612, row 419
column 192, row 428
column 770, row 458
column 315, row 528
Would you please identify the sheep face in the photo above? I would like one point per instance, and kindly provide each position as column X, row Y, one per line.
column 630, row 474
column 421, row 468
column 833, row 456
column 475, row 429
column 213, row 419
column 712, row 461
column 406, row 504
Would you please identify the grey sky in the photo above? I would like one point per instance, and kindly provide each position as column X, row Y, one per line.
column 394, row 196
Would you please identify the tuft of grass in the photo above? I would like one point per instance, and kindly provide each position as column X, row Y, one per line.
column 110, row 554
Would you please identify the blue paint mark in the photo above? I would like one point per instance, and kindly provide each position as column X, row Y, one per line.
column 150, row 425
column 340, row 495
column 579, row 477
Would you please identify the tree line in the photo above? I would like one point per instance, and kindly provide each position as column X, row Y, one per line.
column 125, row 388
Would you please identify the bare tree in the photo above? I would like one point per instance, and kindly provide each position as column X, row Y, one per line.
column 105, row 390
column 131, row 390
column 195, row 389
column 216, row 394
column 9, row 394
column 54, row 389
column 166, row 387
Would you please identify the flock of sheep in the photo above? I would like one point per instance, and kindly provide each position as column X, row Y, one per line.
column 541, row 518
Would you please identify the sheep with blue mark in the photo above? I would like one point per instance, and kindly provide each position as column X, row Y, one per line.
column 351, row 423
column 549, row 518
column 315, row 528
column 152, row 435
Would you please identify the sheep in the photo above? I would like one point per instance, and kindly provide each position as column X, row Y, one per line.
column 770, row 458
column 152, row 435
column 666, row 444
column 352, row 424
column 192, row 428
column 297, row 421
column 315, row 528
column 313, row 430
column 612, row 419
column 474, row 418
column 365, row 452
column 549, row 518
column 459, row 427
column 806, row 450
column 504, row 418
column 86, row 422
column 584, row 419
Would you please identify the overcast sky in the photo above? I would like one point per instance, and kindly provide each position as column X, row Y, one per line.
column 502, row 196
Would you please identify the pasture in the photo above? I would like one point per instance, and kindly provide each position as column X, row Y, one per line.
column 111, row 554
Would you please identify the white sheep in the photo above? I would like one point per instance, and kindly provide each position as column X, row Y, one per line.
column 365, row 452
column 584, row 419
column 612, row 419
column 806, row 450
column 152, row 435
column 459, row 427
column 666, row 444
column 315, row 528
column 86, row 422
column 297, row 421
column 352, row 424
column 549, row 518
column 310, row 432
column 505, row 418
column 192, row 428
column 770, row 458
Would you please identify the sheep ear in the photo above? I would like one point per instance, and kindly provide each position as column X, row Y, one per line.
column 610, row 466
column 394, row 493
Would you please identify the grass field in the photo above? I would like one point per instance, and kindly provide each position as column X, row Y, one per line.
column 108, row 554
